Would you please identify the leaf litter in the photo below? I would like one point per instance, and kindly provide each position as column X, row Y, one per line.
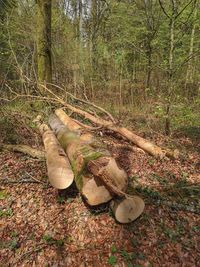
column 43, row 227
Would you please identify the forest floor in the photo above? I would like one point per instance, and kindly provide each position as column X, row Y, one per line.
column 43, row 227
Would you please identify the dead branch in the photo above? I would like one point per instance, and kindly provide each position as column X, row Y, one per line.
column 34, row 153
column 146, row 145
column 85, row 102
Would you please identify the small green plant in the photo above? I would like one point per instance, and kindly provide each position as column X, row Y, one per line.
column 6, row 213
column 60, row 199
column 3, row 195
column 52, row 241
column 112, row 260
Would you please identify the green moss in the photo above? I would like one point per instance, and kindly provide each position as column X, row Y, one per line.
column 88, row 154
column 66, row 138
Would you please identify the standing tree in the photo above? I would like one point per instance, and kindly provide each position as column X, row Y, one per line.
column 44, row 62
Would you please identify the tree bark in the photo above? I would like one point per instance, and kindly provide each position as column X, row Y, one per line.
column 44, row 62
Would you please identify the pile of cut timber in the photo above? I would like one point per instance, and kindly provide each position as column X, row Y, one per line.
column 73, row 155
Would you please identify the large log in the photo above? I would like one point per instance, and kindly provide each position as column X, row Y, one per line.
column 126, row 208
column 105, row 167
column 59, row 170
column 80, row 154
column 146, row 145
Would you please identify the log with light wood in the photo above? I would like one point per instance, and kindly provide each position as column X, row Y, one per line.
column 146, row 145
column 125, row 208
column 80, row 154
column 60, row 173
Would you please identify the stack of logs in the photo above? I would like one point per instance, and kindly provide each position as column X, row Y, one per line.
column 72, row 154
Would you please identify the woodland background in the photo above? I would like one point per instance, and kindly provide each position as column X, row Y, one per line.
column 139, row 60
column 132, row 57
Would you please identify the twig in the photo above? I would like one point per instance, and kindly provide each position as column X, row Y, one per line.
column 21, row 181
column 86, row 102
column 38, row 181
column 91, row 128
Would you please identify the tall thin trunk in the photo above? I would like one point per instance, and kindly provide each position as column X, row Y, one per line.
column 149, row 66
column 44, row 62
column 189, row 74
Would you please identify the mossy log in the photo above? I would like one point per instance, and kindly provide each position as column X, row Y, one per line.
column 80, row 154
column 59, row 169
column 125, row 208
column 104, row 167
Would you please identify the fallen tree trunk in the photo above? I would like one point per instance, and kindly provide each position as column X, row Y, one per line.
column 104, row 167
column 81, row 154
column 59, row 169
column 126, row 208
column 146, row 145
column 34, row 153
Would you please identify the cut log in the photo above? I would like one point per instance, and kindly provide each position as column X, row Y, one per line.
column 127, row 210
column 80, row 154
column 59, row 169
column 146, row 145
column 34, row 153
column 105, row 167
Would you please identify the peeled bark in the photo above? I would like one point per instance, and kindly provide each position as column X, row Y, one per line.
column 146, row 145
column 127, row 210
column 34, row 153
column 59, row 170
column 81, row 155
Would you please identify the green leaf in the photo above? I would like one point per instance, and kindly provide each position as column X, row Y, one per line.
column 112, row 260
column 113, row 249
column 3, row 195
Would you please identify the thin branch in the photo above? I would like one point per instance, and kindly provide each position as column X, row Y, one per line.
column 163, row 9
column 184, row 9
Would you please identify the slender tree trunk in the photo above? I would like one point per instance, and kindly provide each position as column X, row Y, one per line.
column 189, row 76
column 44, row 62
column 149, row 66
column 170, row 75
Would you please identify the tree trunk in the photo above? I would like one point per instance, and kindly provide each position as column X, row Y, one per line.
column 59, row 170
column 189, row 76
column 85, row 158
column 44, row 63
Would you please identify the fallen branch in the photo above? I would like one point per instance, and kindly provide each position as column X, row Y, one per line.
column 20, row 181
column 34, row 153
column 146, row 145
column 85, row 102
